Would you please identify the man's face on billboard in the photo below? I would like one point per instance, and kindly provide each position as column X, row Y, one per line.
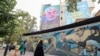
column 89, row 47
column 51, row 13
column 79, row 31
column 92, row 31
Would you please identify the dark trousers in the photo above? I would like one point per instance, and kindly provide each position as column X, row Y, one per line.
column 21, row 53
column 24, row 50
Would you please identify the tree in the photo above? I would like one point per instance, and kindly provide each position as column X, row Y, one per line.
column 95, row 1
column 72, row 5
column 6, row 17
column 7, row 5
column 26, row 22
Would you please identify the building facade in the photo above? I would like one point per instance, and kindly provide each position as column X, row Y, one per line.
column 64, row 18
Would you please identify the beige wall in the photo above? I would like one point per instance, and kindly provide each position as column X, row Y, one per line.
column 62, row 13
column 90, row 3
column 98, row 14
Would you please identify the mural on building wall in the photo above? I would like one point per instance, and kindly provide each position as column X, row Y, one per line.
column 50, row 17
column 79, row 41
column 82, row 13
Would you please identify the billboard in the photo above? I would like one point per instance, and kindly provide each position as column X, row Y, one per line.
column 75, row 42
column 82, row 13
column 78, row 40
column 50, row 17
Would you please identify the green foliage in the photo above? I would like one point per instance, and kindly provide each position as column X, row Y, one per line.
column 19, row 40
column 7, row 5
column 7, row 18
column 72, row 5
column 10, row 23
column 7, row 23
column 93, row 0
column 26, row 22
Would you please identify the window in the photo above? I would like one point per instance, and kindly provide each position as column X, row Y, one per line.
column 61, row 11
column 61, row 18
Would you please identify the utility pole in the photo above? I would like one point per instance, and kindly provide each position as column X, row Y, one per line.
column 62, row 16
column 62, row 13
column 6, row 49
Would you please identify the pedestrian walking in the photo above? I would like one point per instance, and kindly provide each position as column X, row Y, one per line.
column 25, row 47
column 39, row 49
column 22, row 48
column 11, row 46
column 16, row 50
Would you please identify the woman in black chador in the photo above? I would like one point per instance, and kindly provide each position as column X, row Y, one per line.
column 39, row 49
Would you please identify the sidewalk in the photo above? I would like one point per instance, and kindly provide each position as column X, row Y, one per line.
column 26, row 54
column 11, row 53
column 1, row 51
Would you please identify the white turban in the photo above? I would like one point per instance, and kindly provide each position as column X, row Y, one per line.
column 94, row 43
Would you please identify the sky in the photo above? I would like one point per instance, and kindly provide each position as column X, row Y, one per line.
column 34, row 7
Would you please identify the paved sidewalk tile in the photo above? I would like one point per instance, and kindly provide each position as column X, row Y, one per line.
column 11, row 53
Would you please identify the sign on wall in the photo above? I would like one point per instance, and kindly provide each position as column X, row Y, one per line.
column 50, row 17
column 82, row 13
